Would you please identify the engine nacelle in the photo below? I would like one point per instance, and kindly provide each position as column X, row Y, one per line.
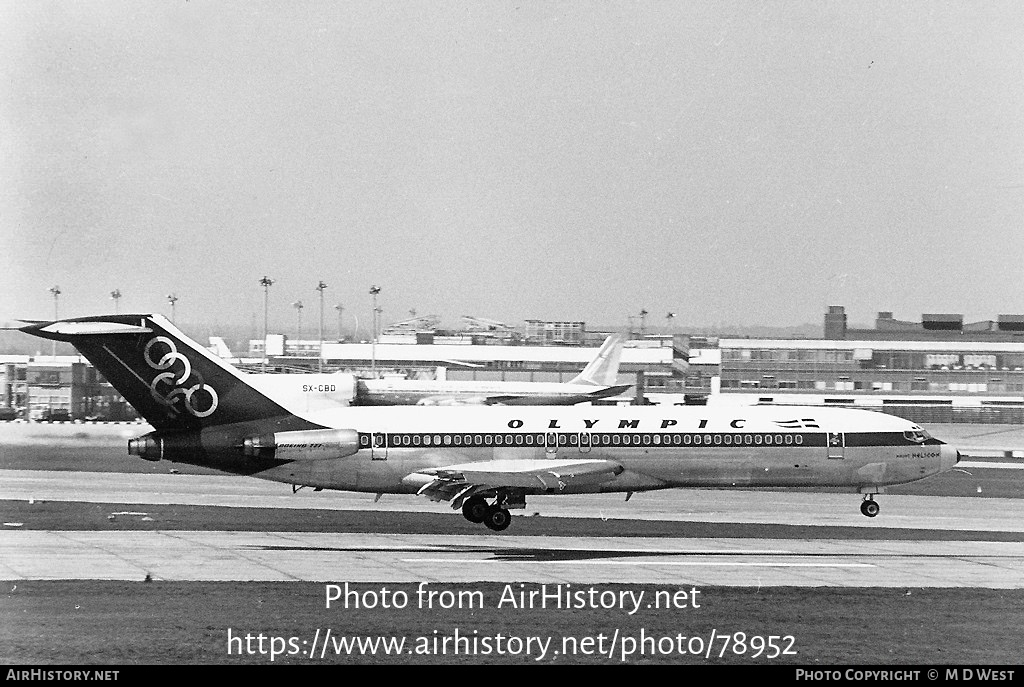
column 310, row 444
column 148, row 447
column 177, row 446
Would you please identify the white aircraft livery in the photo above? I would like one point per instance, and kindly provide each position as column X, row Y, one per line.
column 484, row 460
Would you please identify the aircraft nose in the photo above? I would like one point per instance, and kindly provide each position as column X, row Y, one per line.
column 948, row 457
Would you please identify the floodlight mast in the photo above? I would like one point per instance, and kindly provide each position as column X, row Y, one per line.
column 266, row 283
column 320, row 345
column 374, row 290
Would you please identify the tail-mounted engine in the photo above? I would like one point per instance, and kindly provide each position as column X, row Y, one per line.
column 148, row 447
column 312, row 444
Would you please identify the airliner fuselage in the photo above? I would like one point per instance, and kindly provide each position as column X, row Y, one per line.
column 657, row 447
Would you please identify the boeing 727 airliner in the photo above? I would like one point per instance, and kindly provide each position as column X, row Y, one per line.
column 484, row 460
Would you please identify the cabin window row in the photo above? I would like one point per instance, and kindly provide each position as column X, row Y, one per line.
column 583, row 439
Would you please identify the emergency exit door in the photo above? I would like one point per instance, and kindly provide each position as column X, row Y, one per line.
column 836, row 445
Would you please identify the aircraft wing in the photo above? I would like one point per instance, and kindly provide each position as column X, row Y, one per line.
column 460, row 481
column 460, row 363
column 493, row 400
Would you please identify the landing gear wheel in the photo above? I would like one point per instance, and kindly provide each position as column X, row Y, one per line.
column 497, row 518
column 475, row 509
column 869, row 508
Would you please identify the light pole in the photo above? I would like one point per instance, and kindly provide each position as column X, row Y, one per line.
column 340, row 310
column 374, row 290
column 643, row 323
column 266, row 283
column 116, row 295
column 320, row 345
column 172, row 299
column 298, row 308
column 55, row 290
column 668, row 321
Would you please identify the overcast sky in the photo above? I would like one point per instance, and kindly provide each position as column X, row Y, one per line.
column 732, row 162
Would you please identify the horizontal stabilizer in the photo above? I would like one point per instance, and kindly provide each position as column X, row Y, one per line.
column 89, row 329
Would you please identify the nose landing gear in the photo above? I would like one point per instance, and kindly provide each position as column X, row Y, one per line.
column 868, row 506
column 497, row 518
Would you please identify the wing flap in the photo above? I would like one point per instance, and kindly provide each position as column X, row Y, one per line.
column 531, row 474
column 442, row 400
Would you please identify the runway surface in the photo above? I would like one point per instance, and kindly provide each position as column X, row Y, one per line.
column 691, row 505
column 292, row 556
column 798, row 539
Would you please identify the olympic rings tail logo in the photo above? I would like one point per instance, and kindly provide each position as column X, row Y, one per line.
column 170, row 385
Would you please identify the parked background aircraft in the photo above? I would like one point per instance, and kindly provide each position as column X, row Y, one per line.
column 596, row 381
column 220, row 349
column 483, row 460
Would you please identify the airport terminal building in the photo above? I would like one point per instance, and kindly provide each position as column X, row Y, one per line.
column 936, row 370
column 57, row 388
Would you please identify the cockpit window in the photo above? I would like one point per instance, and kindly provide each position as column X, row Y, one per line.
column 918, row 436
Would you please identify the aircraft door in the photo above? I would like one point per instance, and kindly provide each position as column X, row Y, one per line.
column 379, row 447
column 551, row 442
column 836, row 444
column 585, row 442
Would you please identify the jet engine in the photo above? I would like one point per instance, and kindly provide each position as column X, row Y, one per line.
column 310, row 444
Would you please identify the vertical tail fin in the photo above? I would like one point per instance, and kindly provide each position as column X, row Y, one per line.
column 173, row 382
column 604, row 368
column 219, row 348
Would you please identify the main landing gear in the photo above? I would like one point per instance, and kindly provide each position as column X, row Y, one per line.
column 868, row 506
column 495, row 516
column 475, row 509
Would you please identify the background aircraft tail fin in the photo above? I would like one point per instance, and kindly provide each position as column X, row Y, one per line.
column 603, row 370
column 219, row 348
